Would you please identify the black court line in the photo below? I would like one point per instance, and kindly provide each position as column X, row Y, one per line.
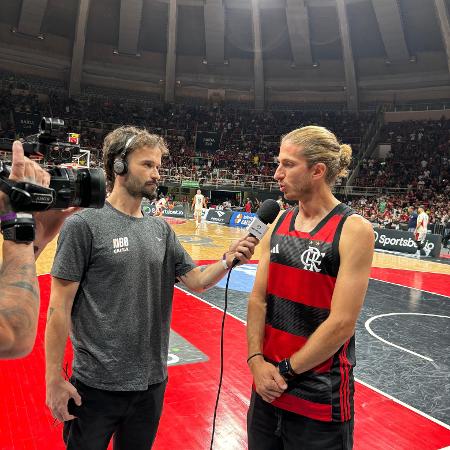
column 418, row 382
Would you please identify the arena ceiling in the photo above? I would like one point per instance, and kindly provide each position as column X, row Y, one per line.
column 353, row 41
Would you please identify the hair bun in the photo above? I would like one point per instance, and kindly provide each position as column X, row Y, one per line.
column 345, row 155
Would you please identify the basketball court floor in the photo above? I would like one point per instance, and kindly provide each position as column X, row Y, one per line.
column 402, row 398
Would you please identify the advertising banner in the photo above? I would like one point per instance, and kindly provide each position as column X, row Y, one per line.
column 402, row 241
column 207, row 141
column 218, row 216
column 27, row 123
column 176, row 211
column 241, row 219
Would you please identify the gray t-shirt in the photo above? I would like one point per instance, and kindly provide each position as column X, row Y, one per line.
column 127, row 268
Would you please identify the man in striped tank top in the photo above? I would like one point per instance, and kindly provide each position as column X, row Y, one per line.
column 310, row 286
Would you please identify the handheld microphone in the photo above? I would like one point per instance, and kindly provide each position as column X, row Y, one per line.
column 265, row 215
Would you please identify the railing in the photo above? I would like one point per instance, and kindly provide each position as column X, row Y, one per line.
column 368, row 191
column 218, row 179
column 428, row 106
column 224, row 178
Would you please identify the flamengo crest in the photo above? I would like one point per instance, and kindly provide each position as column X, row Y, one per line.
column 311, row 259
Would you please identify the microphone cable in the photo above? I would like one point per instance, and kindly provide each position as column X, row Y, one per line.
column 221, row 357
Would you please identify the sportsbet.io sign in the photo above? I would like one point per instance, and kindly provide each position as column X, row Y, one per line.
column 402, row 241
column 177, row 211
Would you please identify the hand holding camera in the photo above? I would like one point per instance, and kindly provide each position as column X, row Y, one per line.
column 23, row 228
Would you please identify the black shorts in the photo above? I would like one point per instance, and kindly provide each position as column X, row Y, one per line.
column 271, row 428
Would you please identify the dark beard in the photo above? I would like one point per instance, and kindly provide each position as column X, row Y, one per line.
column 136, row 190
column 149, row 195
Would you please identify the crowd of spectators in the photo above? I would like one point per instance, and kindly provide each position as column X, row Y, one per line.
column 418, row 161
column 248, row 140
column 419, row 158
column 394, row 211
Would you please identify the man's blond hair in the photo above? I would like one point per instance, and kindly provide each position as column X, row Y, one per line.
column 320, row 145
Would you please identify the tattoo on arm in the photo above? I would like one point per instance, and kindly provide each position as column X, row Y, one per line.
column 18, row 319
column 19, row 295
column 49, row 314
column 25, row 286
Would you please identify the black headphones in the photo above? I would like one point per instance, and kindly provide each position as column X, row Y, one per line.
column 120, row 166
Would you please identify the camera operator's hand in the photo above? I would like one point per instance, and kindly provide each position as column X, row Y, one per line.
column 48, row 223
column 23, row 169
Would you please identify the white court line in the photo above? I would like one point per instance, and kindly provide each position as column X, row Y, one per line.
column 211, row 304
column 390, row 397
column 421, row 413
column 369, row 321
column 410, row 287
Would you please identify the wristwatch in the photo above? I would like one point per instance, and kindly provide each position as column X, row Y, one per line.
column 18, row 227
column 285, row 369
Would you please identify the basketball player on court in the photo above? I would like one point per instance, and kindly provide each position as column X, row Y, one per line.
column 420, row 233
column 19, row 288
column 310, row 285
column 160, row 206
column 198, row 203
column 112, row 285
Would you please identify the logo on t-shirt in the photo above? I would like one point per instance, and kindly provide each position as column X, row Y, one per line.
column 120, row 244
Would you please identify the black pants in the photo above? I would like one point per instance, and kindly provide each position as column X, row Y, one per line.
column 131, row 416
column 271, row 428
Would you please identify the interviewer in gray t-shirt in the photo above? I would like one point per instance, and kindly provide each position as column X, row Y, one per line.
column 127, row 268
column 113, row 280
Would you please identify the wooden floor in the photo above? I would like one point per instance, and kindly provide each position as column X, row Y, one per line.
column 404, row 404
column 209, row 241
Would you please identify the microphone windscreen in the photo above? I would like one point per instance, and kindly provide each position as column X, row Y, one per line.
column 268, row 211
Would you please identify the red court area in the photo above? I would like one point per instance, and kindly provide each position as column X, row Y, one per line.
column 25, row 422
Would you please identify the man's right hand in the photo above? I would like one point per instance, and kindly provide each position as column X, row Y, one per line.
column 268, row 381
column 23, row 169
column 58, row 394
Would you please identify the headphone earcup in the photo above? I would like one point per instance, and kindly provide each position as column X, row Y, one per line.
column 120, row 166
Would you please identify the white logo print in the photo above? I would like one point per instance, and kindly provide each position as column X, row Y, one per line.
column 310, row 259
column 220, row 213
column 276, row 249
column 120, row 245
column 159, row 239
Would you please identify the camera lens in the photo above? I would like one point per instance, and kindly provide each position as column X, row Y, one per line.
column 50, row 125
column 78, row 187
column 92, row 188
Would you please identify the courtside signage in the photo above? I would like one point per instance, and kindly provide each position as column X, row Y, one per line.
column 177, row 211
column 218, row 216
column 241, row 219
column 402, row 241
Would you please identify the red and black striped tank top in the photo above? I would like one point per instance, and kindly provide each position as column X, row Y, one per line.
column 302, row 275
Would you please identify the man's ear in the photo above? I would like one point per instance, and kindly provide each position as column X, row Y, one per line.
column 319, row 170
